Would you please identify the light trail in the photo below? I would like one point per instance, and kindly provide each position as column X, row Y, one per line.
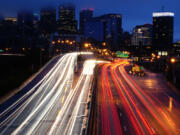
column 44, row 97
column 150, row 105
column 44, row 102
column 145, row 114
column 117, row 123
column 131, row 104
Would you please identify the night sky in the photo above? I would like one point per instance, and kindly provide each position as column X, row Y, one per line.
column 134, row 12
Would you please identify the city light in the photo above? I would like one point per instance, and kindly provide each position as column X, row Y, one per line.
column 163, row 14
column 53, row 42
column 59, row 41
column 104, row 43
column 70, row 43
column 67, row 41
column 153, row 55
column 173, row 60
column 86, row 45
column 91, row 74
column 158, row 57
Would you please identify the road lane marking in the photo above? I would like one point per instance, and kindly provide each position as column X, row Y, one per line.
column 59, row 112
column 63, row 99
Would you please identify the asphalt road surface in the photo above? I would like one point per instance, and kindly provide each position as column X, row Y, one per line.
column 49, row 104
column 126, row 105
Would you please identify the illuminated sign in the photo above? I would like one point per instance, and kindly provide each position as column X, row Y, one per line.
column 121, row 54
column 161, row 14
column 1, row 51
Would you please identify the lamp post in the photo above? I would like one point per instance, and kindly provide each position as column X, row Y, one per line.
column 173, row 61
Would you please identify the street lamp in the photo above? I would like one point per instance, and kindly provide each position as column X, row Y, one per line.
column 53, row 42
column 153, row 55
column 104, row 43
column 59, row 41
column 71, row 43
column 173, row 60
column 67, row 41
column 86, row 45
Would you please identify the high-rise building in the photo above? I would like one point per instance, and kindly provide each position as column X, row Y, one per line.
column 126, row 39
column 25, row 28
column 35, row 18
column 85, row 15
column 66, row 20
column 142, row 35
column 8, row 32
column 25, row 17
column 48, row 20
column 113, row 30
column 106, row 28
column 163, row 23
column 94, row 29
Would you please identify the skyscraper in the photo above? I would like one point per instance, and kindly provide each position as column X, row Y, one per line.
column 66, row 20
column 113, row 30
column 94, row 29
column 25, row 17
column 48, row 20
column 142, row 35
column 25, row 22
column 106, row 28
column 85, row 15
column 163, row 23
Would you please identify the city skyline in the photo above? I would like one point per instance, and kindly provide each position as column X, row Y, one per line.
column 132, row 14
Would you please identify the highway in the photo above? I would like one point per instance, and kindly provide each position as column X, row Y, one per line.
column 123, row 106
column 49, row 104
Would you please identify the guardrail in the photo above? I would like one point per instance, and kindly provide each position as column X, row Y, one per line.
column 90, row 112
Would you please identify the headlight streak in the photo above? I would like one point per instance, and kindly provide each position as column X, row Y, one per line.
column 47, row 106
column 34, row 94
column 46, row 93
column 64, row 108
column 60, row 89
column 48, row 78
column 30, row 91
column 88, row 66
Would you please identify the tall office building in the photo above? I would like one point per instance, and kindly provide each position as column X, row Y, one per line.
column 85, row 15
column 106, row 28
column 67, row 23
column 163, row 23
column 94, row 29
column 25, row 23
column 35, row 18
column 142, row 35
column 25, row 17
column 48, row 20
column 113, row 30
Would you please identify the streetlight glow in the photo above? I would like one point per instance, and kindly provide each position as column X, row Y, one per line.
column 173, row 60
